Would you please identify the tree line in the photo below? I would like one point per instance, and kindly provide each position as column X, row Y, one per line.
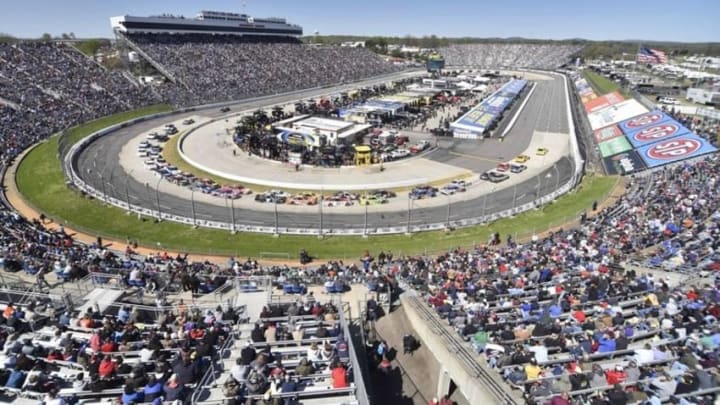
column 591, row 49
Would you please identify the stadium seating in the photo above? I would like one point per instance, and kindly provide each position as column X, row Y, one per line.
column 534, row 56
column 218, row 68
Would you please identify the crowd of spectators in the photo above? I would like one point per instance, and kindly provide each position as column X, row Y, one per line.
column 49, row 87
column 535, row 56
column 79, row 354
column 218, row 68
column 566, row 318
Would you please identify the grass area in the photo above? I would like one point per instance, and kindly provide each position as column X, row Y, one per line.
column 602, row 85
column 41, row 181
column 172, row 156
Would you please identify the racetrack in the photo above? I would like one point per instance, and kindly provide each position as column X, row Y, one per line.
column 545, row 112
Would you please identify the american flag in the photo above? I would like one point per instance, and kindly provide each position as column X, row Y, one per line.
column 648, row 55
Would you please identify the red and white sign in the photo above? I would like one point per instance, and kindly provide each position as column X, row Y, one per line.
column 673, row 149
column 643, row 120
column 657, row 132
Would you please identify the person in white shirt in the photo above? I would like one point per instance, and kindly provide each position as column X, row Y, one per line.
column 644, row 355
column 135, row 275
column 145, row 354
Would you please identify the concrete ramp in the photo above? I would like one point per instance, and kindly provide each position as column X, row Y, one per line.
column 419, row 372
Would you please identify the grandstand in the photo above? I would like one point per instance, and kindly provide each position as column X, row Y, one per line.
column 239, row 67
column 621, row 307
column 509, row 55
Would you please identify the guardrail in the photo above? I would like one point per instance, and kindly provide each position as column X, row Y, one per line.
column 70, row 161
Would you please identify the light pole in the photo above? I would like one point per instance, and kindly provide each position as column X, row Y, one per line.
column 232, row 216
column 448, row 212
column 409, row 214
column 127, row 191
column 277, row 229
column 320, row 233
column 484, row 205
column 157, row 198
column 365, row 232
column 514, row 197
column 557, row 174
column 192, row 206
column 102, row 183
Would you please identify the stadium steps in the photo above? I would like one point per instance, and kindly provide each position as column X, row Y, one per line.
column 157, row 65
column 419, row 371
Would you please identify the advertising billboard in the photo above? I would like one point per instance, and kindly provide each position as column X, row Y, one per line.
column 623, row 163
column 603, row 101
column 607, row 133
column 656, row 132
column 614, row 146
column 643, row 120
column 675, row 149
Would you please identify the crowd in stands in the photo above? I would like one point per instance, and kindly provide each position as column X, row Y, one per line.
column 217, row 68
column 46, row 88
column 75, row 355
column 563, row 319
column 534, row 56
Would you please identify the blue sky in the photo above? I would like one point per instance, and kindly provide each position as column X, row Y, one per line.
column 686, row 20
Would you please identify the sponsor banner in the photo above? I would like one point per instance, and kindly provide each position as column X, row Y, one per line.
column 586, row 92
column 656, row 132
column 607, row 133
column 514, row 86
column 674, row 150
column 623, row 163
column 643, row 120
column 585, row 99
column 614, row 146
column 603, row 101
column 615, row 113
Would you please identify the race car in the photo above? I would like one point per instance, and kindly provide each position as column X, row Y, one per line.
column 522, row 158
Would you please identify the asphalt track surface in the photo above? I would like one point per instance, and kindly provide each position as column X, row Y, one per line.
column 546, row 111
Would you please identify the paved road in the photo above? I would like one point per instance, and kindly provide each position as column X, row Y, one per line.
column 545, row 111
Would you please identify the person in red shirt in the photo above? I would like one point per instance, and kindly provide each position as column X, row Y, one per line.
column 95, row 341
column 108, row 346
column 579, row 315
column 339, row 377
column 106, row 368
column 196, row 333
column 615, row 376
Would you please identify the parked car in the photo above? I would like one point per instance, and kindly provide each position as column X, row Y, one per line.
column 451, row 189
column 421, row 192
column 496, row 177
column 401, row 140
column 522, row 158
column 372, row 199
column 419, row 147
column 399, row 153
